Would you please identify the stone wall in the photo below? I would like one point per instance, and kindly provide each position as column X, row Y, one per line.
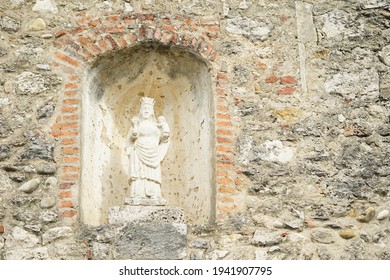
column 301, row 112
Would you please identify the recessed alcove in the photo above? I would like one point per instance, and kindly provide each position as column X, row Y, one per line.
column 180, row 83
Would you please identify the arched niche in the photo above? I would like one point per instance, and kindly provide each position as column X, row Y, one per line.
column 180, row 83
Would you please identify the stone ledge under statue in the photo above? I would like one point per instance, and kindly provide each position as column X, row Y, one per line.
column 146, row 214
column 143, row 230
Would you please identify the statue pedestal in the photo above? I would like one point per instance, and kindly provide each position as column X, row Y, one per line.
column 146, row 214
column 149, row 232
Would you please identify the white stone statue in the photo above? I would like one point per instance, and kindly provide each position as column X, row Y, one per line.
column 147, row 145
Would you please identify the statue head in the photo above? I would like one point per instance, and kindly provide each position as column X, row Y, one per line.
column 147, row 108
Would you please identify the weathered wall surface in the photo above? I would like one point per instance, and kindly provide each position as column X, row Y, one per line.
column 302, row 129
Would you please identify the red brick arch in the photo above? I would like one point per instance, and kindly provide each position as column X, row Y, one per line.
column 77, row 49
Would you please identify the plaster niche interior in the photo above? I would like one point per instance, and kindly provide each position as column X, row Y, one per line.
column 180, row 83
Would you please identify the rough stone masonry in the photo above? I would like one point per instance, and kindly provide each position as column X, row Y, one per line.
column 302, row 91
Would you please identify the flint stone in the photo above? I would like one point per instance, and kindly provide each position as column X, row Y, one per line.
column 354, row 85
column 39, row 149
column 219, row 254
column 347, row 234
column 22, row 200
column 34, row 227
column 46, row 111
column 200, row 243
column 30, row 186
column 9, row 24
column 373, row 4
column 25, row 216
column 295, row 224
column 383, row 214
column 367, row 215
column 100, row 251
column 47, row 202
column 153, row 214
column 3, row 52
column 323, row 236
column 148, row 241
column 4, row 151
column 40, row 253
column 260, row 254
column 45, row 6
column 43, row 67
column 56, row 233
column 249, row 28
column 28, row 83
column 20, row 238
column 51, row 182
column 339, row 24
column 46, row 169
column 384, row 55
column 5, row 182
column 2, row 211
column 37, row 24
column 263, row 237
column 273, row 151
column 48, row 216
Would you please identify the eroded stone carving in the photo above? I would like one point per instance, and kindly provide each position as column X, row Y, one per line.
column 147, row 145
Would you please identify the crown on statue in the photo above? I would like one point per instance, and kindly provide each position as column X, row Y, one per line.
column 147, row 100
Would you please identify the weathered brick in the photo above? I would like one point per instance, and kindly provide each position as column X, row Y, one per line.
column 68, row 141
column 225, row 157
column 221, row 108
column 103, row 44
column 70, row 159
column 111, row 41
column 63, row 186
column 286, row 90
column 221, row 91
column 224, row 181
column 261, row 66
column 1, row 229
column 168, row 27
column 70, row 177
column 66, row 194
column 208, row 51
column 69, row 109
column 66, row 204
column 221, row 116
column 157, row 34
column 69, row 214
column 227, row 209
column 94, row 23
column 78, row 30
column 89, row 45
column 63, row 132
column 70, row 169
column 288, row 80
column 222, row 75
column 224, row 123
column 271, row 79
column 224, row 132
column 67, row 59
column 221, row 148
column 71, row 117
column 71, row 93
column 214, row 56
column 71, row 101
column 70, row 150
column 224, row 189
column 166, row 38
column 225, row 199
column 71, row 85
column 60, row 33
